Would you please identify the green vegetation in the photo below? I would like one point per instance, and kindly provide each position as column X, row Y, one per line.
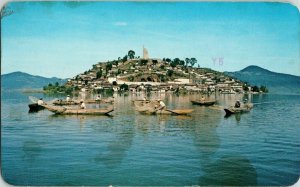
column 264, row 89
column 131, row 54
column 99, row 74
column 56, row 88
column 260, row 89
column 124, row 87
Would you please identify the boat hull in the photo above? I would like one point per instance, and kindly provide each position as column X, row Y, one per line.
column 35, row 107
column 168, row 112
column 203, row 103
column 86, row 112
column 67, row 111
column 230, row 111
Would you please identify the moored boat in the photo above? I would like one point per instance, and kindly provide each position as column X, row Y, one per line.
column 77, row 102
column 166, row 111
column 233, row 110
column 73, row 111
column 205, row 102
column 64, row 102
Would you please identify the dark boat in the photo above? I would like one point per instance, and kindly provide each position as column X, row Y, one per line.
column 34, row 107
column 204, row 103
column 233, row 110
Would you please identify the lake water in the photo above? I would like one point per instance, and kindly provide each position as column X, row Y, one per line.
column 258, row 148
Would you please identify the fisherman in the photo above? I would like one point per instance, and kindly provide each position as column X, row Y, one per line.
column 98, row 98
column 237, row 104
column 82, row 105
column 202, row 98
column 68, row 98
column 161, row 106
column 40, row 101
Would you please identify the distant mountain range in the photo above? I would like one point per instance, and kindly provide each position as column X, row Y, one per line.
column 275, row 82
column 20, row 80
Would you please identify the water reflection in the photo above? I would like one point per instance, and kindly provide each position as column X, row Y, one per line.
column 116, row 148
column 119, row 130
column 31, row 150
column 236, row 116
column 234, row 170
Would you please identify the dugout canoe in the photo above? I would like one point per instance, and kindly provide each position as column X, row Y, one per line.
column 204, row 103
column 64, row 102
column 233, row 110
column 71, row 111
column 167, row 112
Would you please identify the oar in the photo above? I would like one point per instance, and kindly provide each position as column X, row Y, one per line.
column 172, row 111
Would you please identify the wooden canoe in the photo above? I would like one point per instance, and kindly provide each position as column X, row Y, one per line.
column 167, row 112
column 64, row 102
column 244, row 109
column 72, row 111
column 77, row 102
column 204, row 103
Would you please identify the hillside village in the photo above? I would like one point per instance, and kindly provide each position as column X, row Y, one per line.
column 136, row 74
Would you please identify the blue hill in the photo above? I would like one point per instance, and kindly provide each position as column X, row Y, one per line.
column 20, row 80
column 275, row 82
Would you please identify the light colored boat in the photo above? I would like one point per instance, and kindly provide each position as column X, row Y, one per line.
column 60, row 102
column 73, row 111
column 165, row 111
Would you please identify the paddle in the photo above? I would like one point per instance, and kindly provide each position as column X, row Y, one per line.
column 172, row 111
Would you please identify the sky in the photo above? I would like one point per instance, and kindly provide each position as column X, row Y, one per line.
column 63, row 39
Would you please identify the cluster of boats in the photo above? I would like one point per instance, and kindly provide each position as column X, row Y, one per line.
column 71, row 107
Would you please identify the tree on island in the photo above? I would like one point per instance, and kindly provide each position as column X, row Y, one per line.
column 193, row 61
column 143, row 62
column 108, row 67
column 255, row 89
column 168, row 60
column 187, row 62
column 245, row 88
column 124, row 58
column 124, row 87
column 131, row 54
column 264, row 89
column 99, row 74
column 170, row 73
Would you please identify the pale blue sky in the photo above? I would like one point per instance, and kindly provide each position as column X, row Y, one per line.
column 63, row 39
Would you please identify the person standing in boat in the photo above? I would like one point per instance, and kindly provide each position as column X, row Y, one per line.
column 161, row 106
column 82, row 104
column 68, row 98
column 237, row 104
column 202, row 98
column 40, row 101
column 98, row 98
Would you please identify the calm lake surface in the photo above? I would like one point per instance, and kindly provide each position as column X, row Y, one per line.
column 258, row 148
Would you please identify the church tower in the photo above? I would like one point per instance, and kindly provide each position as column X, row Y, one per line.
column 145, row 53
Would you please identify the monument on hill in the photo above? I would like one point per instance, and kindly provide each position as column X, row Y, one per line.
column 145, row 53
